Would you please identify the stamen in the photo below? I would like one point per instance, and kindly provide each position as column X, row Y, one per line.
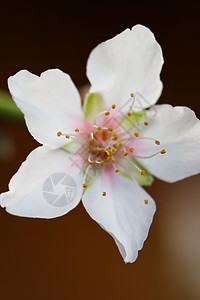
column 146, row 123
column 85, row 175
column 125, row 153
column 117, row 170
column 113, row 106
column 109, row 158
column 76, row 130
column 150, row 156
column 113, row 150
column 59, row 133
column 157, row 142
column 129, row 114
column 163, row 151
column 142, row 172
column 136, row 134
column 109, row 153
column 113, row 160
column 134, row 180
column 103, row 149
column 67, row 136
column 102, row 163
column 104, row 194
column 115, row 137
column 133, row 101
column 146, row 201
column 116, row 146
column 91, row 163
column 92, row 137
column 131, row 149
column 107, row 113
column 98, row 128
column 110, row 129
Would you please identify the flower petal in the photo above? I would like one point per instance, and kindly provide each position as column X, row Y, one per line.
column 129, row 62
column 178, row 130
column 50, row 103
column 45, row 186
column 122, row 212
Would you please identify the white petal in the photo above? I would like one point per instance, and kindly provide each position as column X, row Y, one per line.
column 45, row 186
column 178, row 130
column 122, row 212
column 50, row 103
column 129, row 62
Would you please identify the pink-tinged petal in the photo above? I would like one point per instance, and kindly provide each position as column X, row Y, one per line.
column 178, row 130
column 129, row 62
column 50, row 103
column 122, row 212
column 45, row 186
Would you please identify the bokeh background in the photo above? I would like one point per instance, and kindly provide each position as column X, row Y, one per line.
column 71, row 257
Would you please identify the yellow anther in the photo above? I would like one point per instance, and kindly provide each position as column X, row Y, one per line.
column 76, row 130
column 110, row 129
column 146, row 201
column 98, row 128
column 102, row 163
column 132, row 94
column 91, row 163
column 157, row 142
column 93, row 140
column 109, row 158
column 115, row 137
column 109, row 150
column 131, row 149
column 146, row 123
column 129, row 113
column 113, row 160
column 113, row 150
column 136, row 134
column 113, row 106
column 116, row 146
column 67, row 136
column 125, row 153
column 163, row 151
column 109, row 154
column 107, row 113
column 103, row 149
column 143, row 172
column 84, row 185
column 104, row 194
column 120, row 144
column 117, row 170
column 59, row 133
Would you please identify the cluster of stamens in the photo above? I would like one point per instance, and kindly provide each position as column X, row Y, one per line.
column 110, row 144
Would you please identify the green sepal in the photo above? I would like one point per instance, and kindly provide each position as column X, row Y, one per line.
column 146, row 179
column 8, row 108
column 72, row 147
column 93, row 105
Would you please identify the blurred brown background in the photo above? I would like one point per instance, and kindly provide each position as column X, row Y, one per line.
column 72, row 257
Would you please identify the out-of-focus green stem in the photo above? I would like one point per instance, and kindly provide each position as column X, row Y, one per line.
column 8, row 108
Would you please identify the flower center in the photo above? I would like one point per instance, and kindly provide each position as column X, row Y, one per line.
column 109, row 142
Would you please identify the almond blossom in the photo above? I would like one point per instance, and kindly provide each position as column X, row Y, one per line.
column 111, row 145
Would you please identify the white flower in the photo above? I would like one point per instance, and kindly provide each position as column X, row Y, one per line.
column 116, row 150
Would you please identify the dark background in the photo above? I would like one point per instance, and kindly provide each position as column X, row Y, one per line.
column 72, row 257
